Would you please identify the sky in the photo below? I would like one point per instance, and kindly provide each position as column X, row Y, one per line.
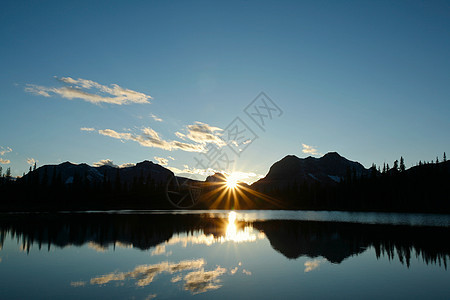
column 222, row 85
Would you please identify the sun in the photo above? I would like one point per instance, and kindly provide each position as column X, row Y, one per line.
column 231, row 182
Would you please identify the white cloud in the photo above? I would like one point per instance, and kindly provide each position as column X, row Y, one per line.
column 87, row 129
column 77, row 89
column 4, row 161
column 31, row 161
column 150, row 138
column 156, row 118
column 310, row 150
column 105, row 162
column 3, row 150
column 203, row 133
column 170, row 157
column 162, row 161
column 108, row 162
column 127, row 165
column 246, row 272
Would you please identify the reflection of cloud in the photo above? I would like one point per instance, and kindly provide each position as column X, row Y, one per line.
column 311, row 265
column 201, row 281
column 87, row 129
column 162, row 161
column 233, row 271
column 247, row 234
column 97, row 247
column 160, row 250
column 78, row 89
column 151, row 296
column 310, row 150
column 176, row 278
column 145, row 274
column 77, row 283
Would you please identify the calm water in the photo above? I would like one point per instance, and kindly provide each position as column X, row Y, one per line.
column 204, row 254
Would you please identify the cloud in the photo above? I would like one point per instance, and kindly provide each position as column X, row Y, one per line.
column 310, row 150
column 4, row 161
column 246, row 272
column 87, row 129
column 311, row 265
column 105, row 162
column 31, row 161
column 150, row 138
column 203, row 133
column 98, row 93
column 108, row 162
column 3, row 150
column 170, row 157
column 162, row 161
column 127, row 165
column 202, row 281
column 156, row 118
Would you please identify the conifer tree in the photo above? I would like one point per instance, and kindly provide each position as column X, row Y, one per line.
column 445, row 157
column 402, row 164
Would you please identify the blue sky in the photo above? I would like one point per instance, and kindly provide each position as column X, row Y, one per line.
column 368, row 79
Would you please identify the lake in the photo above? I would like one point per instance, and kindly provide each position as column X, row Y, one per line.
column 224, row 254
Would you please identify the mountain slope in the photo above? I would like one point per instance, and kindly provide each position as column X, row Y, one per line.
column 329, row 169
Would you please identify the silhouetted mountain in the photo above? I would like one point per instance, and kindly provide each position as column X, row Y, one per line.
column 329, row 169
column 69, row 172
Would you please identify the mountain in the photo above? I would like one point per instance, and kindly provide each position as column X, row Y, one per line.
column 328, row 170
column 69, row 173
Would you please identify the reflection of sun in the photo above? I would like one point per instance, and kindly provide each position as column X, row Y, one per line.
column 235, row 235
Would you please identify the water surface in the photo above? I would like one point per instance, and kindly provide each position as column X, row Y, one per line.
column 222, row 254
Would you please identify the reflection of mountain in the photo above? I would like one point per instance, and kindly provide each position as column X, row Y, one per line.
column 338, row 241
column 331, row 240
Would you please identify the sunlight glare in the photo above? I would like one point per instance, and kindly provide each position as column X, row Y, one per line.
column 231, row 182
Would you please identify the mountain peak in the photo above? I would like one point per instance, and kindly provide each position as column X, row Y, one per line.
column 332, row 155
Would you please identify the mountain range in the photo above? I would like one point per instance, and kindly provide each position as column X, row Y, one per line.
column 329, row 169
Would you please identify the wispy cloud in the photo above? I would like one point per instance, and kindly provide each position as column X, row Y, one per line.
column 90, row 91
column 162, row 161
column 310, row 150
column 150, row 138
column 31, row 161
column 87, row 129
column 203, row 133
column 4, row 161
column 109, row 162
column 156, row 118
column 105, row 162
column 4, row 150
